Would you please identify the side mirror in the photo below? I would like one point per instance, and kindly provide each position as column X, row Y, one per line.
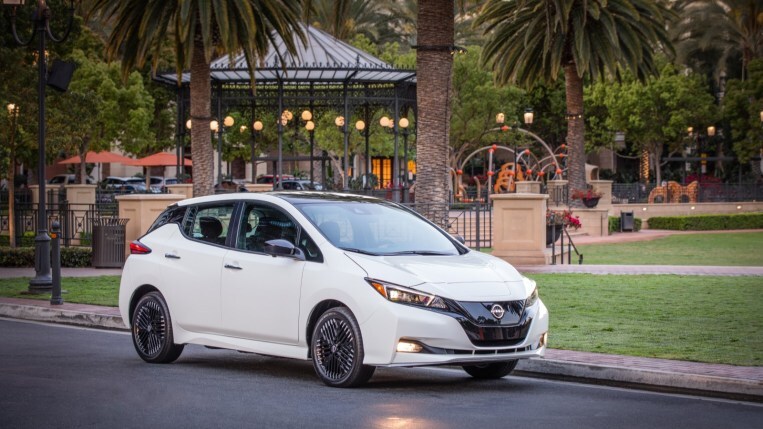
column 460, row 239
column 281, row 247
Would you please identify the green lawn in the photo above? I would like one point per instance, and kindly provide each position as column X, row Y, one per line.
column 696, row 318
column 725, row 249
column 81, row 290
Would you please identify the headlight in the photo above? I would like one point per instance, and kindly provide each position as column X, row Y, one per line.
column 403, row 295
column 533, row 298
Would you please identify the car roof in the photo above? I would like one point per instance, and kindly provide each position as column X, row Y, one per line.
column 293, row 197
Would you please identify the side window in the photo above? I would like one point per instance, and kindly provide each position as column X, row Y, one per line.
column 263, row 223
column 209, row 223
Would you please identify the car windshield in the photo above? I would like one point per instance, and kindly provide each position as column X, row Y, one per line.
column 377, row 229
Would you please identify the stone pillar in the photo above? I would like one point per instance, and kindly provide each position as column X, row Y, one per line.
column 258, row 187
column 185, row 189
column 519, row 228
column 595, row 221
column 556, row 191
column 35, row 189
column 528, row 187
column 80, row 194
column 605, row 187
column 142, row 210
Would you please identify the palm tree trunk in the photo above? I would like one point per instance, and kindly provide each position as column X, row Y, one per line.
column 434, row 63
column 575, row 131
column 201, row 138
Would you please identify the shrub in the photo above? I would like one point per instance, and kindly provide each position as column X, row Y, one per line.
column 21, row 257
column 614, row 224
column 708, row 222
column 27, row 240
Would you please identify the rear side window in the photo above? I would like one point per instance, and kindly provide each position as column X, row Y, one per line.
column 173, row 214
column 209, row 223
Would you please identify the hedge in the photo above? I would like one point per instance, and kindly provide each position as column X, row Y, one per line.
column 708, row 222
column 21, row 257
column 614, row 224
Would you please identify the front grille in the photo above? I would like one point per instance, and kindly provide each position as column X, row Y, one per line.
column 485, row 330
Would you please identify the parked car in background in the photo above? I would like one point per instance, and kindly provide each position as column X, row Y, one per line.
column 126, row 185
column 349, row 282
column 269, row 178
column 301, row 185
column 69, row 179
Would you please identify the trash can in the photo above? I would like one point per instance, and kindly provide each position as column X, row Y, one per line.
column 626, row 221
column 109, row 242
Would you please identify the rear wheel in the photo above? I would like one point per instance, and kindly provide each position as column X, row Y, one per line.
column 152, row 330
column 490, row 371
column 337, row 349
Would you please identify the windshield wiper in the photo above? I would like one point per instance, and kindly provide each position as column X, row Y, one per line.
column 365, row 252
column 419, row 252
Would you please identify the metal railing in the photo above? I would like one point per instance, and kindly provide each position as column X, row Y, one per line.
column 570, row 248
column 472, row 221
column 638, row 193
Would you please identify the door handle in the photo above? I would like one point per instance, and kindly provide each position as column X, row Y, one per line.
column 233, row 267
column 171, row 256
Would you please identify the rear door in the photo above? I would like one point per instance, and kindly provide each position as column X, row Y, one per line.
column 194, row 263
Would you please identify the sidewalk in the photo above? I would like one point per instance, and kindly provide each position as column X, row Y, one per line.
column 728, row 381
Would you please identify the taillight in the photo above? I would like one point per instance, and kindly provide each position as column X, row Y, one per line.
column 138, row 248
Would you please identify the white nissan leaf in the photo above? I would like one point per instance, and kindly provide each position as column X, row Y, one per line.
column 349, row 282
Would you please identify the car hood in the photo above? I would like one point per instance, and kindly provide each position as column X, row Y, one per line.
column 470, row 277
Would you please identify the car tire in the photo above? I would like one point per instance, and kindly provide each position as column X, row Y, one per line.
column 490, row 371
column 152, row 330
column 337, row 349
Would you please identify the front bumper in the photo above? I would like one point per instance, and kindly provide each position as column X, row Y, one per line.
column 443, row 338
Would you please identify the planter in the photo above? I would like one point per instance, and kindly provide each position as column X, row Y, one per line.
column 590, row 202
column 553, row 232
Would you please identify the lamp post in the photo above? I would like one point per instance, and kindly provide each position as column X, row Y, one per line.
column 42, row 282
column 13, row 115
column 403, row 123
column 528, row 118
column 360, row 125
column 310, row 127
column 256, row 129
column 341, row 124
column 390, row 123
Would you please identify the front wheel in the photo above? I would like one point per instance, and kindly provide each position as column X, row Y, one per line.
column 152, row 330
column 490, row 371
column 337, row 350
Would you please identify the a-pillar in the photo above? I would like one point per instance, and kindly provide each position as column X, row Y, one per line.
column 142, row 210
column 519, row 228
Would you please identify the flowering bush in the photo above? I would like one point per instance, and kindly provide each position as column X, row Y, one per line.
column 585, row 194
column 563, row 217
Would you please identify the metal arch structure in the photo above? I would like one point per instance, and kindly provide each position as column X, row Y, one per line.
column 548, row 162
column 325, row 73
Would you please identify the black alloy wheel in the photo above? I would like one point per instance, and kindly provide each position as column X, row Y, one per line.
column 337, row 349
column 152, row 330
column 490, row 371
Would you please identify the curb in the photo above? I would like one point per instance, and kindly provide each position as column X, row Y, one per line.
column 69, row 317
column 648, row 379
column 697, row 384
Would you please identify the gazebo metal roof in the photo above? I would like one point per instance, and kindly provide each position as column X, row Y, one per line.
column 324, row 73
column 323, row 59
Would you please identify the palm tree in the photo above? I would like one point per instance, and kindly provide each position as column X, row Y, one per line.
column 199, row 31
column 344, row 19
column 535, row 40
column 434, row 64
column 730, row 29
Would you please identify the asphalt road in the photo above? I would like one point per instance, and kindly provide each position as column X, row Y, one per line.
column 57, row 376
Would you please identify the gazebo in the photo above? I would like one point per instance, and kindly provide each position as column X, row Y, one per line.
column 325, row 73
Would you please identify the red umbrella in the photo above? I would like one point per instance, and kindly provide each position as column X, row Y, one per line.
column 161, row 159
column 99, row 157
